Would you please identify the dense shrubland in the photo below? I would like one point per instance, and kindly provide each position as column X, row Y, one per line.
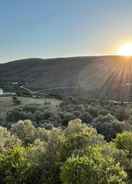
column 108, row 118
column 83, row 142
column 76, row 154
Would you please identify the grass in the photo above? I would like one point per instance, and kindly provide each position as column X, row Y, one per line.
column 6, row 103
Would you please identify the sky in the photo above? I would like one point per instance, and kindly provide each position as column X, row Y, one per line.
column 63, row 28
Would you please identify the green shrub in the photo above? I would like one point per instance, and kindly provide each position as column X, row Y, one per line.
column 124, row 142
column 92, row 169
column 15, row 166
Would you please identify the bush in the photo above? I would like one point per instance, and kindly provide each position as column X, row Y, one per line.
column 124, row 142
column 25, row 131
column 15, row 166
column 16, row 101
column 78, row 138
column 7, row 140
column 93, row 169
column 109, row 126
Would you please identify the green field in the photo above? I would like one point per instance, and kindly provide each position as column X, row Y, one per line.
column 6, row 103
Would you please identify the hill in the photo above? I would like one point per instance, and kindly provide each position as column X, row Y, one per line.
column 105, row 77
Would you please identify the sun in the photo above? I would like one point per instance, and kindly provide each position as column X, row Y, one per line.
column 125, row 50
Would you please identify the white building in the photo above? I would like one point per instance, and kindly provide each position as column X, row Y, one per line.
column 1, row 91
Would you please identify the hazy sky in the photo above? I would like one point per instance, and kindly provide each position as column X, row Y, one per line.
column 56, row 28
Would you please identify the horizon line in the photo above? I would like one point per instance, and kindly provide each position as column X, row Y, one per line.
column 63, row 57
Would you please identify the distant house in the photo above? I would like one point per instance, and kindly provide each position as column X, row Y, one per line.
column 1, row 91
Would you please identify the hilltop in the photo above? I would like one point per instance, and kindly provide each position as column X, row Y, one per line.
column 106, row 76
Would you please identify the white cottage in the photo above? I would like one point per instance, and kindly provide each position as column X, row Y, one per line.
column 1, row 91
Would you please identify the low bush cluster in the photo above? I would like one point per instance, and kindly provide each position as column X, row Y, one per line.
column 76, row 154
column 109, row 118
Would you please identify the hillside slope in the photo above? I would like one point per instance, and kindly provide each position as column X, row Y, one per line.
column 107, row 76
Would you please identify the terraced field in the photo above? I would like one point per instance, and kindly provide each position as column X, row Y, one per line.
column 103, row 77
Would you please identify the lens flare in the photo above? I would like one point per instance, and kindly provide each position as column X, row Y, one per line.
column 125, row 50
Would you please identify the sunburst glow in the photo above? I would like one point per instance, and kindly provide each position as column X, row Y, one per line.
column 125, row 50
